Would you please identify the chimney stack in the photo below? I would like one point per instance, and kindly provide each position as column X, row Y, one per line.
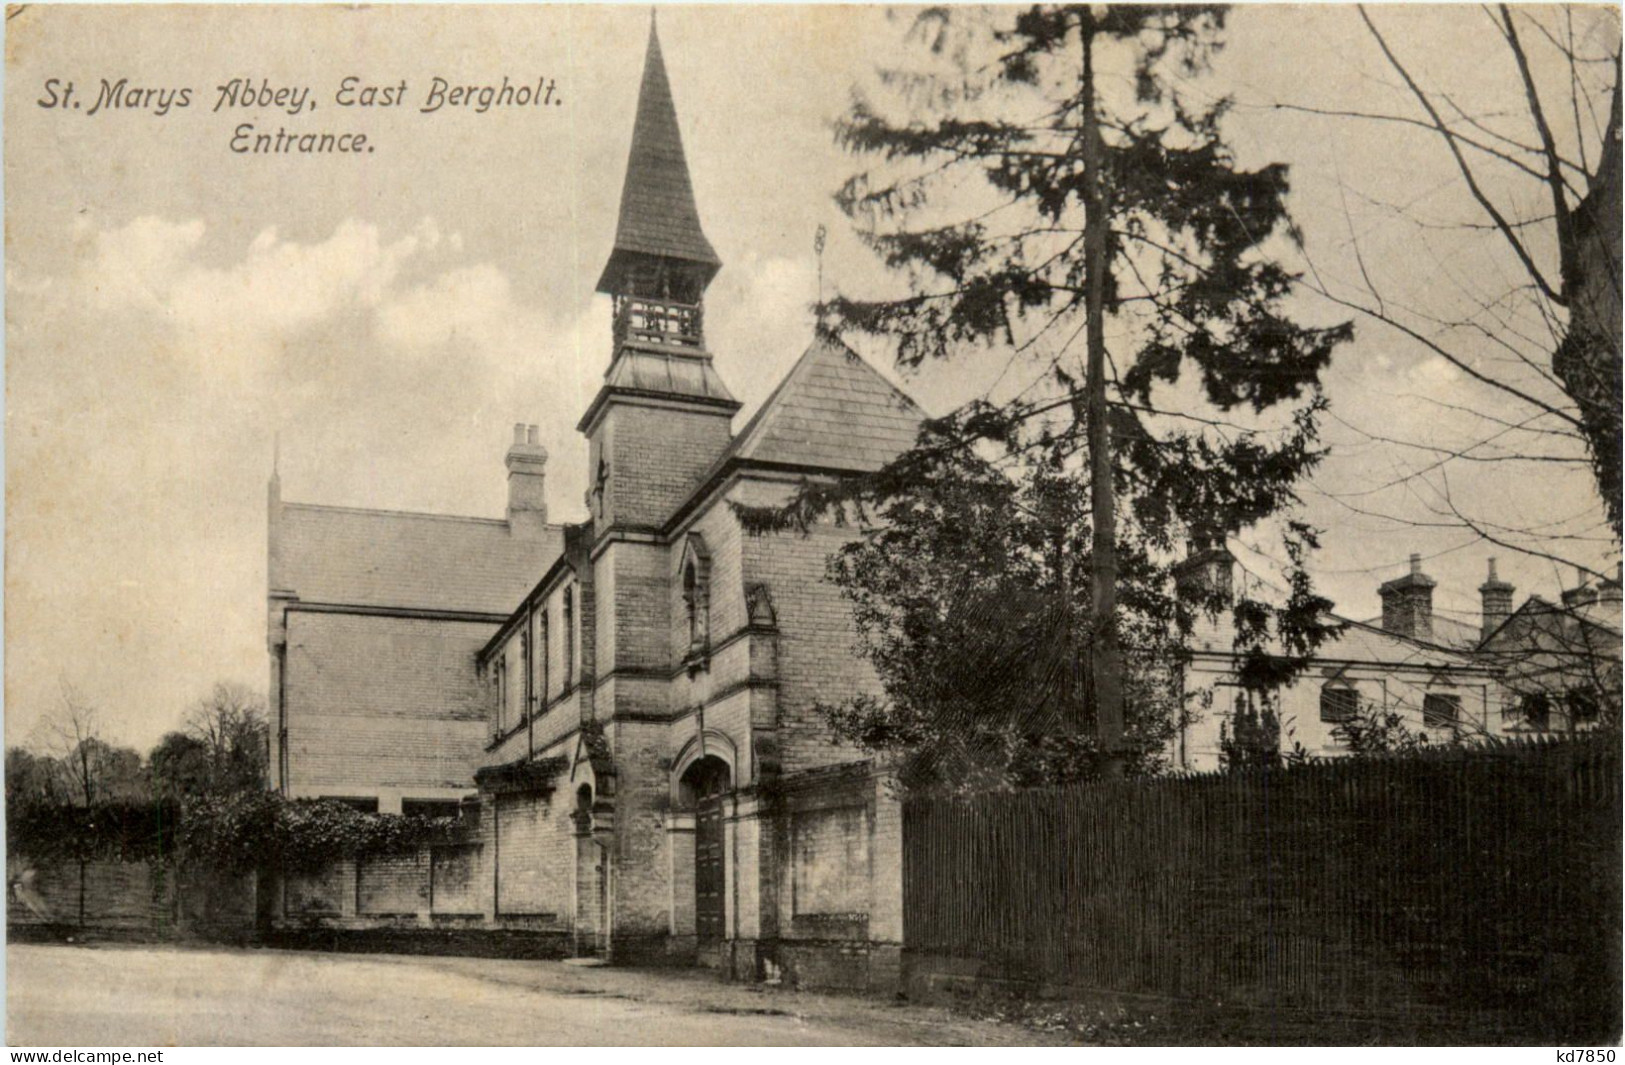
column 1584, row 593
column 1407, row 603
column 527, row 480
column 1496, row 595
column 1609, row 591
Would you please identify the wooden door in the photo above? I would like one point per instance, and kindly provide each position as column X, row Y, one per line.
column 708, row 870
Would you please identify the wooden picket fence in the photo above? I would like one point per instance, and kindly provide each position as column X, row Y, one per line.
column 1478, row 880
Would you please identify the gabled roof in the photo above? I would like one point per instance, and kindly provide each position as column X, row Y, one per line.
column 658, row 216
column 384, row 558
column 1602, row 616
column 832, row 410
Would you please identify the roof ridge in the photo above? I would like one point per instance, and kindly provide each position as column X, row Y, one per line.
column 385, row 513
column 1459, row 652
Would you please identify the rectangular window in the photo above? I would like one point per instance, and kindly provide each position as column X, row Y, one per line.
column 1338, row 705
column 1536, row 710
column 1441, row 711
column 1582, row 705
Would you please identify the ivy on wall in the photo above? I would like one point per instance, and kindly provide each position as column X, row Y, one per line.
column 230, row 833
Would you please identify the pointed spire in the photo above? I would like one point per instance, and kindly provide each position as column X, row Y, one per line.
column 658, row 219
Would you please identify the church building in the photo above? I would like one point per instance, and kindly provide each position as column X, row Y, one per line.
column 623, row 710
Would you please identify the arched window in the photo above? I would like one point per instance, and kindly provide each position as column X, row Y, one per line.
column 696, row 584
column 1339, row 702
column 691, row 605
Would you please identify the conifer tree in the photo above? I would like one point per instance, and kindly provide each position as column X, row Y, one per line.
column 1051, row 179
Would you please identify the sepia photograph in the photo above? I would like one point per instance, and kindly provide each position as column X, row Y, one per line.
column 813, row 525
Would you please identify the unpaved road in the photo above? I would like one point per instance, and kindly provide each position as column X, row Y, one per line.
column 155, row 996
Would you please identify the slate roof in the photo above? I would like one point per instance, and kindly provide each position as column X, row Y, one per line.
column 385, row 558
column 658, row 215
column 1359, row 641
column 1447, row 631
column 644, row 370
column 832, row 410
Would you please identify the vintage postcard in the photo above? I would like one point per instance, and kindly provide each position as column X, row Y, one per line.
column 820, row 525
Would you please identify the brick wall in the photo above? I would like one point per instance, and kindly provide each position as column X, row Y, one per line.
column 817, row 656
column 392, row 884
column 377, row 702
column 456, row 889
column 637, row 615
column 656, row 458
column 642, row 796
column 829, row 855
column 144, row 899
column 535, row 852
column 325, row 892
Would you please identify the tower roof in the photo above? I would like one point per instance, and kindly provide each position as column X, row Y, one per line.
column 658, row 217
column 833, row 410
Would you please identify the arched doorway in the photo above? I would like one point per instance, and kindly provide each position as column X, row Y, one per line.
column 703, row 787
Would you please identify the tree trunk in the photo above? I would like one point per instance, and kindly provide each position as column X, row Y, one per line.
column 1106, row 659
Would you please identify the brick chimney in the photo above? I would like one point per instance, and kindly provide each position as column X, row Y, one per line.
column 1610, row 590
column 1407, row 603
column 1207, row 573
column 1496, row 595
column 527, row 480
column 1584, row 593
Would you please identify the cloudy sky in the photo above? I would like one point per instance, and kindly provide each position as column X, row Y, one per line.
column 173, row 306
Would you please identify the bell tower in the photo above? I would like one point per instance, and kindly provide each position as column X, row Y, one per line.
column 663, row 414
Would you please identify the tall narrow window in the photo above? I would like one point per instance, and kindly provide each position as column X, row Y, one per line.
column 524, row 673
column 691, row 604
column 569, row 635
column 500, row 676
column 694, row 576
column 546, row 657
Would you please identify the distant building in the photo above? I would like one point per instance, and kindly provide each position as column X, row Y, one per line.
column 1542, row 668
column 1559, row 662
